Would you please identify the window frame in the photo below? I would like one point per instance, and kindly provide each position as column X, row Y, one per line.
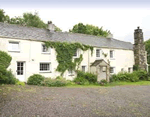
column 70, row 73
column 45, row 71
column 48, row 49
column 11, row 50
column 77, row 54
column 113, row 70
column 82, row 67
column 99, row 53
column 113, row 56
column 130, row 71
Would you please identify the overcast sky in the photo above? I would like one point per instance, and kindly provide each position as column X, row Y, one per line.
column 121, row 17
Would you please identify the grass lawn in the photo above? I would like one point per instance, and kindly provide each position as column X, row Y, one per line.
column 112, row 84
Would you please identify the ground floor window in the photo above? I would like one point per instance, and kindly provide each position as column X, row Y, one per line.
column 45, row 67
column 70, row 72
column 129, row 69
column 112, row 69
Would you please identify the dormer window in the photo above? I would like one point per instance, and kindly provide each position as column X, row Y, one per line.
column 45, row 49
column 97, row 52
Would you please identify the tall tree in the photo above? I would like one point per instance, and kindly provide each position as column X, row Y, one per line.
column 147, row 47
column 3, row 17
column 89, row 29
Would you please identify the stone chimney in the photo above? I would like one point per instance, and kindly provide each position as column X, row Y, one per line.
column 139, row 49
column 51, row 27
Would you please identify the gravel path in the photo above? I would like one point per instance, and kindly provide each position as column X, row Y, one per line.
column 34, row 101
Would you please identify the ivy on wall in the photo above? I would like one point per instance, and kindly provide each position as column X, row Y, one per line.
column 65, row 52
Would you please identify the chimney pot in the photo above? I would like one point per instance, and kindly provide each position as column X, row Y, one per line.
column 51, row 27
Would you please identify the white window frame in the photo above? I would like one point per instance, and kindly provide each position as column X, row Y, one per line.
column 85, row 68
column 114, row 70
column 11, row 50
column 77, row 54
column 50, row 67
column 70, row 73
column 122, row 69
column 99, row 53
column 113, row 52
column 48, row 49
column 130, row 69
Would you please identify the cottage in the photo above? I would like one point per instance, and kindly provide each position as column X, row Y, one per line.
column 31, row 56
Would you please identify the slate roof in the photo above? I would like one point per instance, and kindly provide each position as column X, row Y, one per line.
column 16, row 31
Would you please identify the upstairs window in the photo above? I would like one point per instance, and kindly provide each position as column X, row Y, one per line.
column 75, row 54
column 45, row 49
column 14, row 46
column 111, row 54
column 97, row 52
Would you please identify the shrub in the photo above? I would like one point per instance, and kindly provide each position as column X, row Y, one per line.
column 20, row 83
column 133, row 77
column 54, row 82
column 85, row 77
column 7, row 77
column 143, row 75
column 5, row 59
column 103, row 82
column 35, row 79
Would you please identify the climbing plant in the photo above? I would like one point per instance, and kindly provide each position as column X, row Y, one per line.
column 65, row 52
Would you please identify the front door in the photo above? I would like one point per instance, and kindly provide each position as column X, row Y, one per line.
column 21, row 71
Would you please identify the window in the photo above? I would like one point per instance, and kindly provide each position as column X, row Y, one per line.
column 129, row 69
column 70, row 72
column 83, row 68
column 45, row 49
column 112, row 69
column 111, row 53
column 75, row 54
column 97, row 52
column 122, row 70
column 13, row 46
column 44, row 67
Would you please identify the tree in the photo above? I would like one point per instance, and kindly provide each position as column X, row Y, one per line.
column 89, row 29
column 28, row 19
column 147, row 47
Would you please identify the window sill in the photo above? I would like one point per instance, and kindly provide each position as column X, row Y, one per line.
column 45, row 72
column 71, row 75
column 75, row 57
column 46, row 53
column 112, row 58
column 17, row 51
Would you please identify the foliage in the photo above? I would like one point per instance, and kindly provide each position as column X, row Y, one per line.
column 65, row 52
column 35, row 79
column 143, row 75
column 20, row 83
column 7, row 77
column 135, row 67
column 28, row 19
column 147, row 47
column 54, row 82
column 89, row 29
column 103, row 82
column 85, row 78
column 133, row 77
column 5, row 59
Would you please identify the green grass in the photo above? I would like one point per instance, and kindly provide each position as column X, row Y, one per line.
column 111, row 84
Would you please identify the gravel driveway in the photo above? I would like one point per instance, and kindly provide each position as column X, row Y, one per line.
column 34, row 101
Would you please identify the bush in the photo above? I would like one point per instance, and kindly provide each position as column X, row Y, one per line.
column 5, row 59
column 143, row 75
column 7, row 77
column 133, row 77
column 54, row 82
column 103, row 82
column 20, row 83
column 85, row 77
column 35, row 79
